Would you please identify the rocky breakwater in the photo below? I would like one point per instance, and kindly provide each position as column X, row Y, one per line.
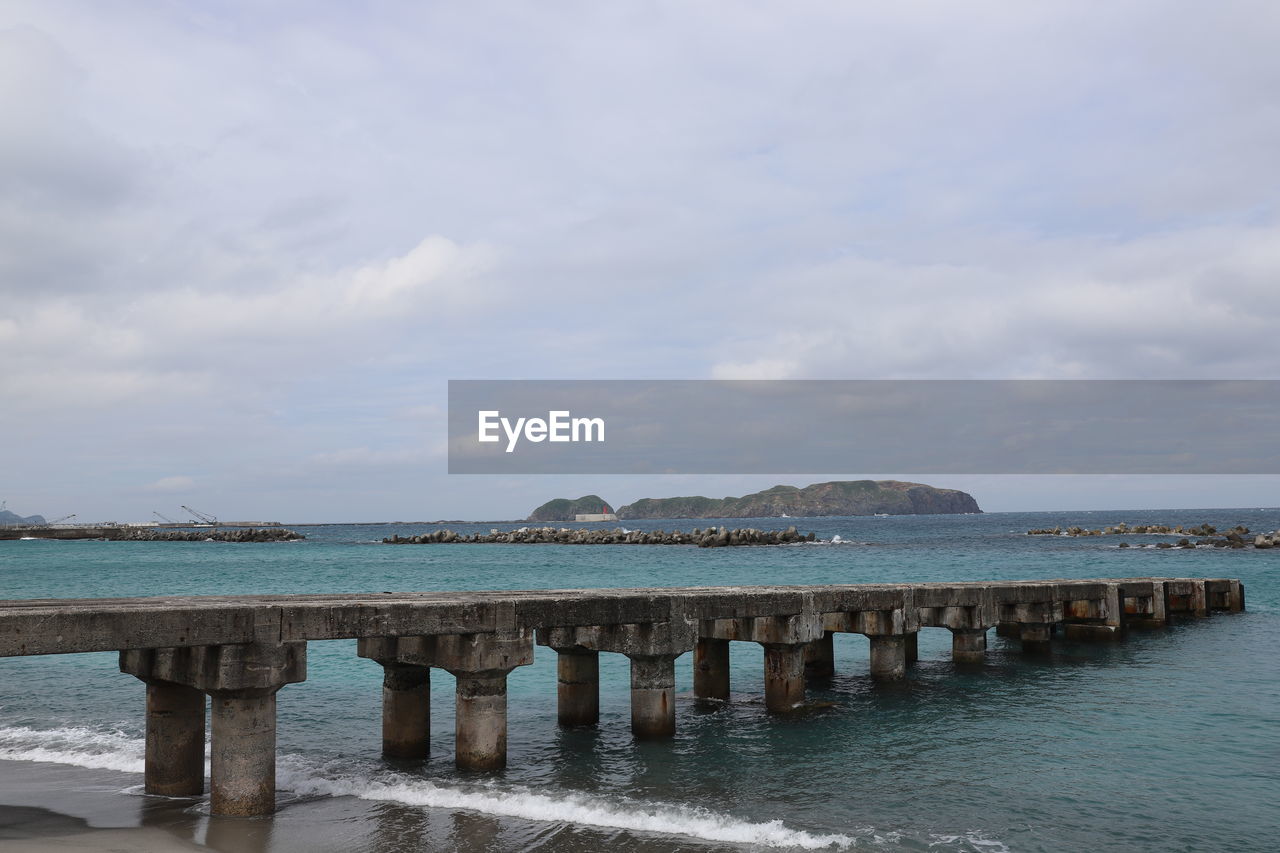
column 1237, row 537
column 711, row 537
column 240, row 534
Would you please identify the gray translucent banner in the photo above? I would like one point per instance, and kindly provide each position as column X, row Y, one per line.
column 864, row 426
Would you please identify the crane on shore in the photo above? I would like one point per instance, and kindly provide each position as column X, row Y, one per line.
column 59, row 520
column 210, row 520
column 165, row 518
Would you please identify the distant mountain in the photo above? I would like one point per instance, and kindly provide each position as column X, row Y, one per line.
column 9, row 518
column 842, row 497
column 563, row 509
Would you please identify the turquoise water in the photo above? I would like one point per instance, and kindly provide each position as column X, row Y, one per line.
column 1167, row 741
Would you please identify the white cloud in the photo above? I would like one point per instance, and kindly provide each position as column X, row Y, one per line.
column 241, row 228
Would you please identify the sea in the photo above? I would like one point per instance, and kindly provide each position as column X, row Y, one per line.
column 1167, row 741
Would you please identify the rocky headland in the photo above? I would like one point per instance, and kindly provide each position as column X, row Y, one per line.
column 711, row 537
column 564, row 509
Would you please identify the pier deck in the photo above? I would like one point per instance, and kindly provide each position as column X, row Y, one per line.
column 240, row 650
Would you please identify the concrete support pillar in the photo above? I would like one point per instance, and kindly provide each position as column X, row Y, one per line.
column 578, row 686
column 783, row 677
column 406, row 711
column 1235, row 598
column 243, row 764
column 1009, row 629
column 820, row 657
column 888, row 656
column 1035, row 637
column 653, row 695
column 481, row 721
column 241, row 680
column 912, row 647
column 968, row 646
column 1200, row 599
column 711, row 669
column 175, row 740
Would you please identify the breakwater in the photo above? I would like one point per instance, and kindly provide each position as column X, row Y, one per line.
column 126, row 533
column 235, row 653
column 1235, row 537
column 711, row 537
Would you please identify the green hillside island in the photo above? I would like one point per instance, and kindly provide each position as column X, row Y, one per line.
column 563, row 509
column 8, row 518
column 843, row 497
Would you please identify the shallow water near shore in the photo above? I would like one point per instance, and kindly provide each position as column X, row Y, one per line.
column 1166, row 741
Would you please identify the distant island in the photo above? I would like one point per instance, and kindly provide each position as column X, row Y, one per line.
column 8, row 518
column 563, row 509
column 842, row 497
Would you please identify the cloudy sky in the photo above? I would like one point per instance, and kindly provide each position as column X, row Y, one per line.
column 244, row 245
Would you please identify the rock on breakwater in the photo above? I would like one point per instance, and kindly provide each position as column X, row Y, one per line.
column 711, row 537
column 1237, row 537
column 124, row 533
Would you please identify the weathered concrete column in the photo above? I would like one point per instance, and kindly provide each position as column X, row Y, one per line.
column 480, row 662
column 406, row 711
column 243, row 753
column 968, row 645
column 481, row 722
column 241, row 680
column 820, row 657
column 912, row 647
column 1035, row 638
column 578, row 686
column 406, row 695
column 783, row 677
column 888, row 656
column 711, row 669
column 1235, row 598
column 653, row 695
column 1008, row 629
column 1096, row 620
column 175, row 740
column 653, row 648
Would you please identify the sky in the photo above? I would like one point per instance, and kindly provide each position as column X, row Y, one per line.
column 244, row 245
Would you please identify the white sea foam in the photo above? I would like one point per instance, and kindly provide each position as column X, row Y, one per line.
column 105, row 749
column 112, row 749
column 75, row 745
column 583, row 809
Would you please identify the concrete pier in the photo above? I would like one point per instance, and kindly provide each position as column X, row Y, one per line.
column 968, row 645
column 479, row 663
column 241, row 680
column 653, row 648
column 243, row 753
column 1036, row 638
column 241, row 650
column 406, row 711
column 653, row 696
column 577, row 687
column 783, row 677
column 820, row 657
column 175, row 740
column 406, row 695
column 888, row 656
column 481, row 722
column 711, row 669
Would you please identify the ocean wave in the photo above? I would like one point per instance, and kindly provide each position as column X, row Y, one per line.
column 96, row 749
column 111, row 749
column 303, row 777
